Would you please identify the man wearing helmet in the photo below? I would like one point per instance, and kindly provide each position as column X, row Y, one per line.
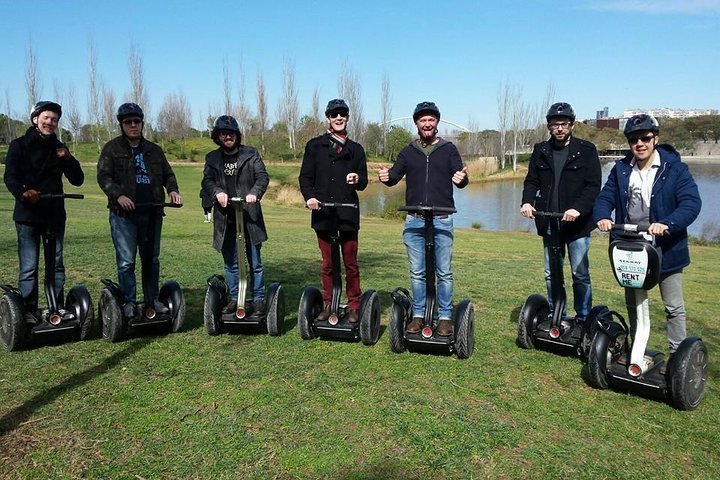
column 236, row 170
column 334, row 169
column 564, row 176
column 133, row 171
column 651, row 184
column 431, row 166
column 35, row 165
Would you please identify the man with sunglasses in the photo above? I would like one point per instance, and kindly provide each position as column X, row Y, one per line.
column 564, row 176
column 652, row 184
column 132, row 171
column 334, row 169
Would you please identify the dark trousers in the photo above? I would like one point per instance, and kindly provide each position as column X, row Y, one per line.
column 349, row 249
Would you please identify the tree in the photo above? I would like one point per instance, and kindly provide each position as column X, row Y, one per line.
column 397, row 138
column 261, row 108
column 33, row 86
column 242, row 112
column 175, row 118
column 138, row 90
column 385, row 110
column 108, row 112
column 520, row 120
column 288, row 107
column 349, row 88
column 72, row 114
column 227, row 89
column 504, row 102
column 94, row 109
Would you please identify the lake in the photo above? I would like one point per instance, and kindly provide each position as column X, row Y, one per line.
column 496, row 205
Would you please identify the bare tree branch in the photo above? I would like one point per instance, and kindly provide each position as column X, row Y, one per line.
column 94, row 109
column 261, row 108
column 289, row 102
column 33, row 87
column 349, row 88
column 385, row 109
column 138, row 92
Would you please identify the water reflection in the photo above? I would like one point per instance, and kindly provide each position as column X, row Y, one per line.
column 496, row 205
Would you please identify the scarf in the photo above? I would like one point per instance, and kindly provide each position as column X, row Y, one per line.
column 337, row 139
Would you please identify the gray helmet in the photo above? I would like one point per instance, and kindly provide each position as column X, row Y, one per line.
column 641, row 122
column 337, row 105
column 44, row 106
column 129, row 110
column 426, row 108
column 560, row 109
column 226, row 123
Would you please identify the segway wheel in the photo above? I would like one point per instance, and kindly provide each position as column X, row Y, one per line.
column 79, row 302
column 535, row 308
column 606, row 347
column 275, row 309
column 13, row 328
column 172, row 295
column 113, row 326
column 311, row 304
column 369, row 317
column 464, row 329
column 688, row 374
column 212, row 311
column 396, row 328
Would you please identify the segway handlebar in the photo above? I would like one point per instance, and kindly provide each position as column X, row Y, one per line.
column 158, row 204
column 541, row 213
column 45, row 196
column 337, row 205
column 631, row 227
column 427, row 208
column 237, row 199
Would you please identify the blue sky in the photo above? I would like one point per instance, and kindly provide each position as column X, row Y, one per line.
column 620, row 54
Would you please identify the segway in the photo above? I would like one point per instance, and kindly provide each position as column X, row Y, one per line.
column 619, row 361
column 218, row 293
column 537, row 327
column 337, row 324
column 462, row 342
column 18, row 324
column 116, row 325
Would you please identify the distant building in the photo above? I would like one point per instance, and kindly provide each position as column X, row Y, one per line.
column 671, row 112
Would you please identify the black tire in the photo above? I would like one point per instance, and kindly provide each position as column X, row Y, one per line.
column 534, row 309
column 369, row 317
column 311, row 304
column 172, row 296
column 464, row 329
column 212, row 312
column 688, row 374
column 275, row 309
column 13, row 328
column 79, row 302
column 113, row 324
column 88, row 328
column 605, row 348
column 396, row 328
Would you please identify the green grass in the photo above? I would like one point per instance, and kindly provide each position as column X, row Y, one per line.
column 188, row 405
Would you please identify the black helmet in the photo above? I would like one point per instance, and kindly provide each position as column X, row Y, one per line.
column 224, row 122
column 337, row 105
column 43, row 106
column 129, row 110
column 641, row 122
column 426, row 108
column 560, row 109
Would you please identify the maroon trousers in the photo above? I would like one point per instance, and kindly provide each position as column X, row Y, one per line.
column 349, row 249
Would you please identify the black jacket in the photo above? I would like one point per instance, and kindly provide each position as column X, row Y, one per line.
column 116, row 171
column 579, row 186
column 322, row 176
column 251, row 178
column 428, row 178
column 32, row 163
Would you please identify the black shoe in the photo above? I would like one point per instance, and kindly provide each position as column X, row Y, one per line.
column 353, row 316
column 160, row 307
column 258, row 307
column 231, row 306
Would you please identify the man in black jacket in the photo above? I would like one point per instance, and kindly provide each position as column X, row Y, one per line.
column 564, row 176
column 35, row 165
column 334, row 169
column 132, row 172
column 431, row 166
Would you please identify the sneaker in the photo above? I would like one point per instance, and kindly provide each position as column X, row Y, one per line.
column 666, row 366
column 231, row 306
column 353, row 315
column 258, row 306
column 415, row 325
column 208, row 218
column 160, row 307
column 325, row 314
column 129, row 310
column 445, row 328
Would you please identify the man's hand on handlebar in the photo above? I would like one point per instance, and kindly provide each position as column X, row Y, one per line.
column 125, row 203
column 222, row 199
column 658, row 229
column 313, row 204
column 570, row 215
column 175, row 198
column 30, row 196
column 604, row 225
column 527, row 210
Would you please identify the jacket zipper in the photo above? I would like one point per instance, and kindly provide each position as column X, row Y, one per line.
column 427, row 177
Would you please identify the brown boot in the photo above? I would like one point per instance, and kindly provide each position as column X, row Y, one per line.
column 445, row 328
column 325, row 314
column 353, row 316
column 231, row 306
column 415, row 325
column 258, row 307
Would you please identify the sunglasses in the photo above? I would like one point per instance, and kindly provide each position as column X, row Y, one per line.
column 339, row 113
column 645, row 139
column 132, row 121
column 555, row 126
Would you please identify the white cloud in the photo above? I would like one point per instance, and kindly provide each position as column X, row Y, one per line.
column 659, row 6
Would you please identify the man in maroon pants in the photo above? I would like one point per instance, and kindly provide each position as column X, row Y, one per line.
column 334, row 169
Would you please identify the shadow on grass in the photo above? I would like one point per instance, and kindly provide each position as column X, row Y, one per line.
column 385, row 470
column 18, row 415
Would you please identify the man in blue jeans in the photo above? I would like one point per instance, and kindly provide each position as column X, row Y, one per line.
column 431, row 166
column 564, row 176
column 35, row 165
column 132, row 172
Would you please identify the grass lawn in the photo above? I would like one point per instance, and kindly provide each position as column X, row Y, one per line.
column 251, row 406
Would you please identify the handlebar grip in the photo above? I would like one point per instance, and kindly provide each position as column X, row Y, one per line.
column 541, row 213
column 45, row 196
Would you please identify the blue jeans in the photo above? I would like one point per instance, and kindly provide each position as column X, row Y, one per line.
column 256, row 275
column 580, row 268
column 414, row 239
column 138, row 232
column 29, row 239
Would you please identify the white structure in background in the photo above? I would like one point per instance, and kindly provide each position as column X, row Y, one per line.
column 671, row 112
